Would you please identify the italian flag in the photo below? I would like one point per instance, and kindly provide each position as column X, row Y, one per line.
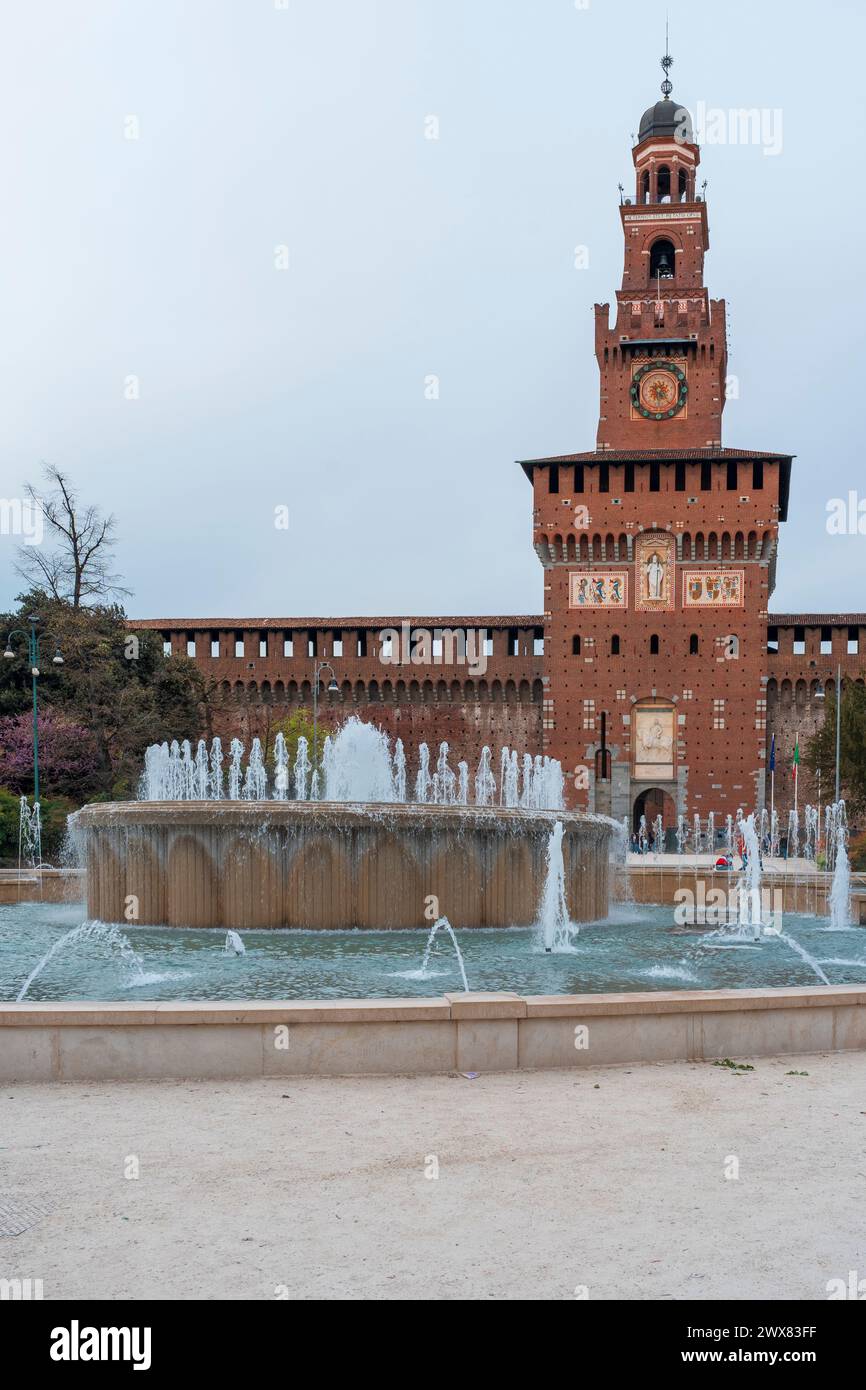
column 796, row 763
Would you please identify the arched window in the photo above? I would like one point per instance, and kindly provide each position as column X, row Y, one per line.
column 614, row 645
column 654, row 644
column 664, row 184
column 575, row 646
column 662, row 260
column 693, row 644
column 683, row 186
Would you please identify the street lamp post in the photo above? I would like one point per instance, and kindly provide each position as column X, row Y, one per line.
column 838, row 722
column 319, row 667
column 34, row 640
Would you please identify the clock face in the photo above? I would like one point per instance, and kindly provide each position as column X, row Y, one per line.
column 659, row 390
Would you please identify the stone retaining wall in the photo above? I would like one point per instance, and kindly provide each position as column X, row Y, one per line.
column 453, row 1032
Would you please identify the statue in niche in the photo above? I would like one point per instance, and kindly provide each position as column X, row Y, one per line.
column 655, row 576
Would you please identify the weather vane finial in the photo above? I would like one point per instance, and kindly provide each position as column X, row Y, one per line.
column 667, row 64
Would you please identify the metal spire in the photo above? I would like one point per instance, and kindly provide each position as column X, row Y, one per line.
column 667, row 64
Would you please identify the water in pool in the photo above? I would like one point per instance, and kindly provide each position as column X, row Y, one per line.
column 635, row 949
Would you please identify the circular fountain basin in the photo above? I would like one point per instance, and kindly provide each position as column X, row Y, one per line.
column 333, row 864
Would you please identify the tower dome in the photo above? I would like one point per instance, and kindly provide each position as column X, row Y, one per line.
column 666, row 117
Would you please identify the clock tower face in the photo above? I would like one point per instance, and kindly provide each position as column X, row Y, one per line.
column 659, row 390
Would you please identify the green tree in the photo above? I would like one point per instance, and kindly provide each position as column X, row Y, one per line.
column 293, row 727
column 114, row 682
column 820, row 751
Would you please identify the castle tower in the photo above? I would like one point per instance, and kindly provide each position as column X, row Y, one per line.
column 659, row 545
column 663, row 361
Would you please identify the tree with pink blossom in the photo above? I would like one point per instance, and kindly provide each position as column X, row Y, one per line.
column 68, row 757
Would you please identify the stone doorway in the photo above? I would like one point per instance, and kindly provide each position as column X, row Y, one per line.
column 652, row 802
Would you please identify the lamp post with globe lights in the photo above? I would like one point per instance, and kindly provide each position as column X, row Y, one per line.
column 34, row 639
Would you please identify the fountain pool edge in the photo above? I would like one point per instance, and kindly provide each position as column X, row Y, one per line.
column 337, row 865
column 452, row 1032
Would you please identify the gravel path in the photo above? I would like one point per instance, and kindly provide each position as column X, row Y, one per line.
column 612, row 1179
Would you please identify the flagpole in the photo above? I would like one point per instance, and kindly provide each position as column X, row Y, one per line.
column 796, row 772
column 772, row 787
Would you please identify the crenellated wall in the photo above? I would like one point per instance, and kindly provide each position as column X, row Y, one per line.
column 251, row 691
column 486, row 688
column 804, row 653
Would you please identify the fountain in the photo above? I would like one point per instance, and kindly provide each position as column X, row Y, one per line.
column 105, row 933
column 446, row 782
column 281, row 768
column 810, row 844
column 658, row 836
column 422, row 781
column 236, row 749
column 749, row 886
column 619, row 848
column 302, row 770
column 485, row 782
column 399, row 771
column 554, row 925
column 215, row 785
column 357, row 764
column 508, row 795
column 29, row 834
column 201, row 776
column 840, row 891
column 442, row 924
column 361, row 856
column 256, row 780
column 835, row 825
column 751, row 922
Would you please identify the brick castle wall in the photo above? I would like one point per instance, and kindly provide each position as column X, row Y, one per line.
column 259, row 673
column 653, row 702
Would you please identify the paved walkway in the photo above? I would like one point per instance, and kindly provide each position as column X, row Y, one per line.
column 612, row 1179
column 703, row 861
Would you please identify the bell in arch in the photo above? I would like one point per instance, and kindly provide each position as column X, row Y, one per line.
column 662, row 261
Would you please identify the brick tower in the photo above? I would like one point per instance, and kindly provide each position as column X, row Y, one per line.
column 659, row 545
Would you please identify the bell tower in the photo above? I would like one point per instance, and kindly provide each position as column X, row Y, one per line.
column 663, row 363
column 659, row 545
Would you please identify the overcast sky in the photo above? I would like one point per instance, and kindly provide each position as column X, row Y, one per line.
column 262, row 127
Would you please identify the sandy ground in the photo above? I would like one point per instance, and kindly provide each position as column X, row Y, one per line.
column 612, row 1179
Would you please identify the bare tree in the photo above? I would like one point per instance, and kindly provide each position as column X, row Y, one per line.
column 78, row 568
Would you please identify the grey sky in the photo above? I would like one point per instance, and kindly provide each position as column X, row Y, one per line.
column 305, row 127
